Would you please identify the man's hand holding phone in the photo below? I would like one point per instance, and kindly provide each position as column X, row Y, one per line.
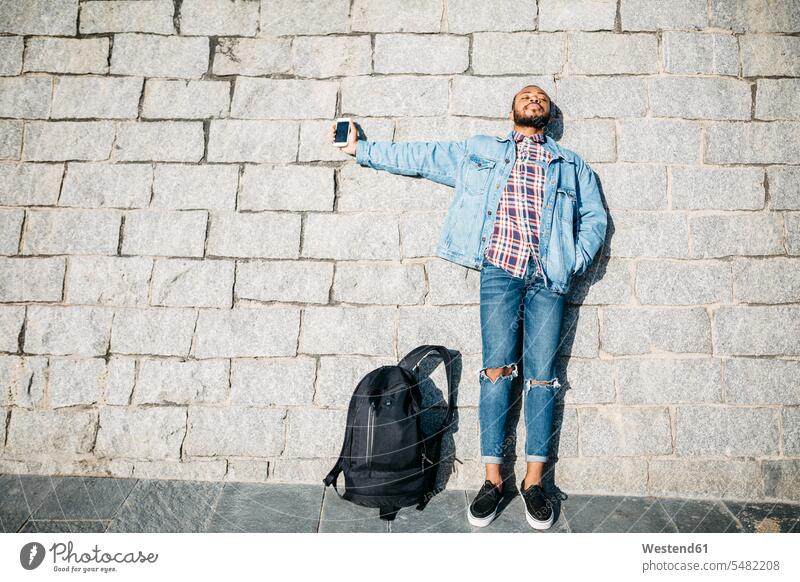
column 348, row 144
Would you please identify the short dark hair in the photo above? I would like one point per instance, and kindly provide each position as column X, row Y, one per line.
column 514, row 98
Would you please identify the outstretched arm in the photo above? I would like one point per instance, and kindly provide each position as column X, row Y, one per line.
column 434, row 160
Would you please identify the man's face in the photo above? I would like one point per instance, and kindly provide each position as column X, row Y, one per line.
column 531, row 108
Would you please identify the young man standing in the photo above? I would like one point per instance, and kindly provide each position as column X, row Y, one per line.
column 528, row 214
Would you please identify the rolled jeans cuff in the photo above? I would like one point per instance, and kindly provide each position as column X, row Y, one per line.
column 486, row 460
column 535, row 459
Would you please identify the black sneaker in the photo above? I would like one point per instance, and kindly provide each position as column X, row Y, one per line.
column 484, row 507
column 538, row 508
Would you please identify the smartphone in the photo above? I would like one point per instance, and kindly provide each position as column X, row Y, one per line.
column 342, row 132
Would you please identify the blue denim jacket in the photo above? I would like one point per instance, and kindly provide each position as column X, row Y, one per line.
column 573, row 221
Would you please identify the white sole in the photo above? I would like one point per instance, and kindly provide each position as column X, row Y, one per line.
column 480, row 521
column 535, row 523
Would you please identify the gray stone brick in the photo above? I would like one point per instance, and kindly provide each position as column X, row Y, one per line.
column 784, row 187
column 365, row 189
column 252, row 56
column 185, row 99
column 668, row 381
column 141, row 433
column 285, row 17
column 420, row 232
column 490, row 96
column 401, row 16
column 717, row 188
column 649, row 234
column 713, row 479
column 586, row 381
column 778, row 99
column 761, row 381
column 11, row 319
column 33, row 279
column 299, row 470
column 189, row 186
column 586, row 97
column 288, row 281
column 380, row 283
column 579, row 332
column 315, row 133
column 610, row 53
column 348, row 330
column 781, row 478
column 332, row 56
column 73, row 381
column 792, row 227
column 683, row 282
column 729, row 14
column 736, row 234
column 92, row 97
column 577, row 15
column 753, row 142
column 608, row 281
column 633, row 186
column 194, row 470
column 252, row 141
column 424, row 54
column 770, row 55
column 67, row 55
column 181, row 382
column 276, row 381
column 624, row 431
column 191, row 283
column 535, row 53
column 122, row 281
column 22, row 381
column 11, row 48
column 240, row 332
column 465, row 16
column 168, row 141
column 164, row 233
column 151, row 55
column 593, row 139
column 757, row 331
column 457, row 128
column 351, row 236
column 451, row 283
column 659, row 140
column 90, row 185
column 338, row 377
column 314, row 432
column 588, row 475
column 644, row 15
column 10, row 230
column 154, row 331
column 790, row 420
column 647, row 330
column 219, row 17
column 71, row 231
column 396, row 95
column 121, row 16
column 120, row 380
column 291, row 187
column 67, row 140
column 257, row 235
column 774, row 280
column 10, row 139
column 716, row 98
column 247, row 471
column 31, row 432
column 700, row 53
column 458, row 327
column 237, row 431
column 726, row 431
column 30, row 184
column 39, row 17
column 283, row 98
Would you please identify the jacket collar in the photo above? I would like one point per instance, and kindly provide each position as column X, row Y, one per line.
column 549, row 144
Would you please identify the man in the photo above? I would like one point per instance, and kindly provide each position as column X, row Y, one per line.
column 528, row 214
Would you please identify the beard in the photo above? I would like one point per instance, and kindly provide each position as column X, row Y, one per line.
column 537, row 121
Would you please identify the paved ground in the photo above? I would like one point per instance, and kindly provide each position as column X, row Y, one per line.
column 30, row 503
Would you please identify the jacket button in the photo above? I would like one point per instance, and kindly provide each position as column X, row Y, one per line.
column 483, row 238
column 497, row 184
column 507, row 160
column 490, row 213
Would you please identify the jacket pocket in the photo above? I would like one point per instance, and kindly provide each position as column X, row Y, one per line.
column 477, row 172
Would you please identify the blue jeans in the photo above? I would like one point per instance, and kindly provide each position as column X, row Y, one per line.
column 507, row 304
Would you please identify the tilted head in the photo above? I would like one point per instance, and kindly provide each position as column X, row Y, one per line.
column 530, row 107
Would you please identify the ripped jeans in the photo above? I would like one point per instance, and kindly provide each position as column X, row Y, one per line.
column 514, row 309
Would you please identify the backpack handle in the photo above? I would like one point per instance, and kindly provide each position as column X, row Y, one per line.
column 413, row 359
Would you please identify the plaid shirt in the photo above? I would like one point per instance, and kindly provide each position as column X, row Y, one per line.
column 515, row 238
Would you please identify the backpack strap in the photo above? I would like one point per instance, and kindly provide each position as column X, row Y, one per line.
column 413, row 359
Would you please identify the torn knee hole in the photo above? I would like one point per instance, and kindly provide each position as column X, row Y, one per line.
column 494, row 373
column 543, row 383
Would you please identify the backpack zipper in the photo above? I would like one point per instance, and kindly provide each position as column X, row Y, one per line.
column 370, row 431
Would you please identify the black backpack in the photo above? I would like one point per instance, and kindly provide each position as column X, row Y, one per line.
column 387, row 459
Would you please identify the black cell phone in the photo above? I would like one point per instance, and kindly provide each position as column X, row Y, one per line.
column 342, row 131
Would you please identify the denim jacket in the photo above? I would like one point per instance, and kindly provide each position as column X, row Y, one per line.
column 573, row 220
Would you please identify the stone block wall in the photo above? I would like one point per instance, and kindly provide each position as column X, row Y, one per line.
column 192, row 279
